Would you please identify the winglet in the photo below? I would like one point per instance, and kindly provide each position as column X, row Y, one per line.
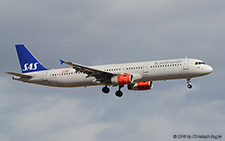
column 61, row 61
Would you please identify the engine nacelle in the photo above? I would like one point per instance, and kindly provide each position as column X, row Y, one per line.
column 141, row 86
column 122, row 79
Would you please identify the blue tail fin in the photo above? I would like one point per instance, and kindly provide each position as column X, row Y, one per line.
column 27, row 60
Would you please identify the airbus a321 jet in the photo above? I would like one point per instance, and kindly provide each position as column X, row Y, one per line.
column 137, row 76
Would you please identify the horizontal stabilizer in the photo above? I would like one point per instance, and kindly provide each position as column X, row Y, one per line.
column 20, row 75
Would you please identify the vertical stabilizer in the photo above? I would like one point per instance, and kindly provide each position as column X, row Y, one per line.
column 28, row 62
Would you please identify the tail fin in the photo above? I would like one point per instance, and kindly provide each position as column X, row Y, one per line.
column 27, row 60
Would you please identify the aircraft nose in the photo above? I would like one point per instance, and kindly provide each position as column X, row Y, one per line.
column 209, row 69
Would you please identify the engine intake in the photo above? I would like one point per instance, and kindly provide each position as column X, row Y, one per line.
column 141, row 86
column 122, row 79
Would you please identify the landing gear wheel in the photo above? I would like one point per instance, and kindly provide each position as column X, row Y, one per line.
column 119, row 93
column 105, row 90
column 189, row 81
column 189, row 86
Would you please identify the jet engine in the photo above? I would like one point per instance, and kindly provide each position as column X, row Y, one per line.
column 122, row 79
column 141, row 86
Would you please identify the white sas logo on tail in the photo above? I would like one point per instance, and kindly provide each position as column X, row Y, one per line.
column 31, row 66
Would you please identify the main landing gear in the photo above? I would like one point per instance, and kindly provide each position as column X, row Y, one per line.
column 188, row 82
column 118, row 93
column 105, row 90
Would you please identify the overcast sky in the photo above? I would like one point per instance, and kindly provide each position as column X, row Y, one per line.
column 104, row 32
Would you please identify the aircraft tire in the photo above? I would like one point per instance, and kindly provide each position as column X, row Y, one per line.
column 189, row 86
column 119, row 93
column 105, row 90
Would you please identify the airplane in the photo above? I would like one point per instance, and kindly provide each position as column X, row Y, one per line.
column 138, row 76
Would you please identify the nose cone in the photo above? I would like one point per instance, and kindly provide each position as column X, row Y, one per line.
column 209, row 69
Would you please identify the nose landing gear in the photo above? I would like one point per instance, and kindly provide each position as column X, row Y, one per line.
column 188, row 82
column 119, row 93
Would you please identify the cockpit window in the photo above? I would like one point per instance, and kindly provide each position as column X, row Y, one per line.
column 199, row 63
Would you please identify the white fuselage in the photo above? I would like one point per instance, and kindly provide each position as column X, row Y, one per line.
column 142, row 71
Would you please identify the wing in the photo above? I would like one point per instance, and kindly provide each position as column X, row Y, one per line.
column 20, row 75
column 100, row 75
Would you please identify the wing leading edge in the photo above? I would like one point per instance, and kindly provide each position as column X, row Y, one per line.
column 100, row 75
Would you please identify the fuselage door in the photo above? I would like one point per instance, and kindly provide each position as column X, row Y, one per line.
column 145, row 69
column 44, row 76
column 186, row 64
